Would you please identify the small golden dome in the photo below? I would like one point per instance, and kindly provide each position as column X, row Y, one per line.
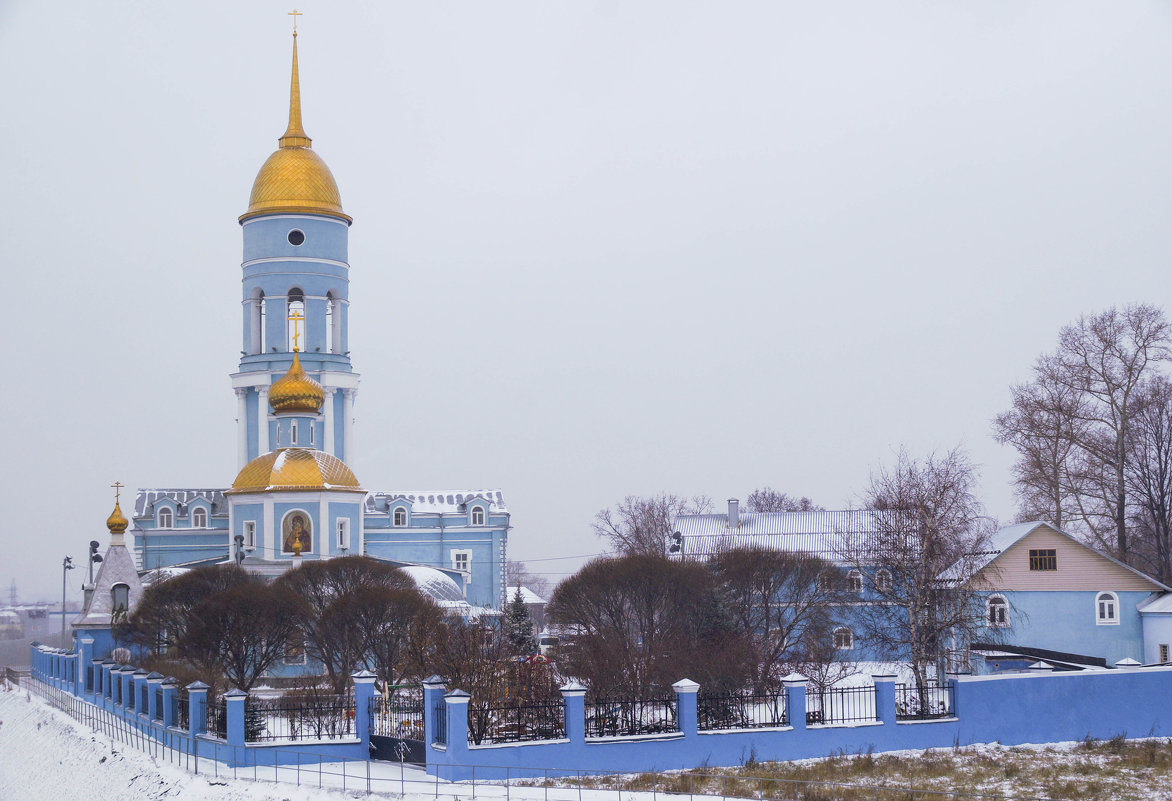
column 295, row 179
column 296, row 391
column 295, row 469
column 116, row 522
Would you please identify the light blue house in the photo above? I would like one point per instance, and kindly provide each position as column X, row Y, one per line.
column 295, row 496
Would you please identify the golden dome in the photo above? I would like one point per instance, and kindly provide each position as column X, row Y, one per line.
column 296, row 391
column 295, row 179
column 295, row 469
column 116, row 522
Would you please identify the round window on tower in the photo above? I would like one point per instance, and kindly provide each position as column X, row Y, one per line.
column 296, row 237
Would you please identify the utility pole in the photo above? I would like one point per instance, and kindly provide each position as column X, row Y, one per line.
column 66, row 566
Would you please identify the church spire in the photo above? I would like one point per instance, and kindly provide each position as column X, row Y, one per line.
column 295, row 135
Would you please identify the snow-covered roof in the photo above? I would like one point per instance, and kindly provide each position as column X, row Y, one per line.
column 528, row 596
column 145, row 500
column 1159, row 604
column 443, row 501
column 117, row 567
column 821, row 533
column 439, row 587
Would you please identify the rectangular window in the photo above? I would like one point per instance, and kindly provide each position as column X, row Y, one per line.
column 343, row 533
column 293, row 432
column 1043, row 559
column 462, row 560
column 249, row 533
column 312, row 433
column 1163, row 652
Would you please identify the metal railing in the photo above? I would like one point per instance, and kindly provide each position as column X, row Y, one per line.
column 439, row 714
column 928, row 701
column 625, row 717
column 739, row 710
column 182, row 716
column 840, row 705
column 540, row 720
column 218, row 718
column 399, row 715
column 299, row 717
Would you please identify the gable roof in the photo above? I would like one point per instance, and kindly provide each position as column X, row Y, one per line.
column 1007, row 537
column 818, row 533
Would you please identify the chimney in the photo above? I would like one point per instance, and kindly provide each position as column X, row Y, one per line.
column 734, row 513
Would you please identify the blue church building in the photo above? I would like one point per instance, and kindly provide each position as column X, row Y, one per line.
column 295, row 496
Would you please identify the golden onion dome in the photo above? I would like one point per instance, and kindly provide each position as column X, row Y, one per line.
column 295, row 179
column 295, row 469
column 296, row 391
column 116, row 522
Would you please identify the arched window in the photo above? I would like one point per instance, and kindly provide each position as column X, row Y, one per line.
column 256, row 336
column 331, row 323
column 292, row 432
column 1107, row 609
column 854, row 580
column 478, row 515
column 199, row 517
column 844, row 639
column 119, row 599
column 997, row 612
column 883, row 580
column 296, row 320
column 166, row 517
column 400, row 516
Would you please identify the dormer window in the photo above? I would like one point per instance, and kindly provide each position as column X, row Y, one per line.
column 199, row 517
column 399, row 516
column 855, row 581
column 478, row 515
column 166, row 517
column 883, row 580
column 119, row 599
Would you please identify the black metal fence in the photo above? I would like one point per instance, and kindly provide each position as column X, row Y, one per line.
column 158, row 703
column 182, row 709
column 624, row 717
column 928, row 701
column 540, row 720
column 439, row 714
column 218, row 718
column 399, row 715
column 740, row 710
column 310, row 716
column 840, row 704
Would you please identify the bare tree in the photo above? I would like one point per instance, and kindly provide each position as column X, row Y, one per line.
column 767, row 499
column 928, row 537
column 1149, row 474
column 643, row 525
column 397, row 628
column 1105, row 358
column 784, row 606
column 518, row 574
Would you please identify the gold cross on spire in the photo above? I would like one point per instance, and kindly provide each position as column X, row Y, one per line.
column 117, row 485
column 296, row 317
column 295, row 14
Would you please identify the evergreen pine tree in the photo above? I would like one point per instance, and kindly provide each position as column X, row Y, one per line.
column 519, row 627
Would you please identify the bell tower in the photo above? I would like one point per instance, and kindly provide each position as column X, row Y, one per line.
column 295, row 294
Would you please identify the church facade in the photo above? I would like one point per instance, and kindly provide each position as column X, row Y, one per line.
column 295, row 496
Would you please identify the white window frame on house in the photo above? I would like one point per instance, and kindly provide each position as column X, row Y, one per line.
column 166, row 517
column 399, row 510
column 1106, row 609
column 997, row 612
column 120, row 598
column 250, row 535
column 1163, row 653
column 199, row 517
column 844, row 639
column 854, row 581
column 462, row 556
column 477, row 515
column 299, row 650
column 882, row 580
column 343, row 533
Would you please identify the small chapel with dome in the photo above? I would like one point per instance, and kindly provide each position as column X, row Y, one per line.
column 295, row 496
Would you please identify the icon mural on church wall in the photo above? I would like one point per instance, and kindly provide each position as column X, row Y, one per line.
column 296, row 534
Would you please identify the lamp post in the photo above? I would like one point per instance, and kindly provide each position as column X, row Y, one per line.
column 66, row 566
column 94, row 557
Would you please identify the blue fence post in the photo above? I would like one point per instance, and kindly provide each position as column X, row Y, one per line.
column 954, row 686
column 197, row 709
column 234, row 701
column 154, row 681
column 456, row 706
column 170, row 691
column 795, row 699
column 363, row 695
column 686, row 690
column 433, row 693
column 885, row 711
column 126, row 673
column 140, row 687
column 574, row 700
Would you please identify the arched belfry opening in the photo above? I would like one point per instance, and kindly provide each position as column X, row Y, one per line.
column 295, row 314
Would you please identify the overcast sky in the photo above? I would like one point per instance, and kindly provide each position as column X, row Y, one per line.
column 598, row 248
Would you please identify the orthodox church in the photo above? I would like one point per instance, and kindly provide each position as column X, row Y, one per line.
column 295, row 497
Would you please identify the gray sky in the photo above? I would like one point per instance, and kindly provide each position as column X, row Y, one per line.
column 598, row 249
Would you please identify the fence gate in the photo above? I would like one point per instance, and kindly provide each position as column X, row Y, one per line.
column 396, row 728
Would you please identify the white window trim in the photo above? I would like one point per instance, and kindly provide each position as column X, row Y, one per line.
column 168, row 512
column 456, row 553
column 406, row 517
column 850, row 634
column 854, row 581
column 1001, row 599
column 343, row 529
column 206, row 517
column 1112, row 621
column 249, row 535
column 472, row 515
column 882, row 580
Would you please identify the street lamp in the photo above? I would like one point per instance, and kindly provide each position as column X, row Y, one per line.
column 94, row 557
column 66, row 566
